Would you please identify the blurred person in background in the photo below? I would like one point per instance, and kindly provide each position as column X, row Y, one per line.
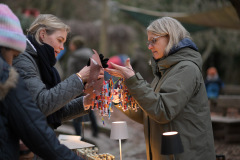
column 79, row 55
column 78, row 59
column 176, row 100
column 213, row 83
column 20, row 118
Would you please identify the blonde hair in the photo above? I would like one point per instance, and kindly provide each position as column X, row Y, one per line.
column 170, row 27
column 48, row 22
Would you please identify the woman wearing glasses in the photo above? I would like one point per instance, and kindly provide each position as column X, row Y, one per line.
column 176, row 100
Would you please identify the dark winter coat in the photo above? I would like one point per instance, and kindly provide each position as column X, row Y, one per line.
column 21, row 119
column 50, row 100
column 176, row 100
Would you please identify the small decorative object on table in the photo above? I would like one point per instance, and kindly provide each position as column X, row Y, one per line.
column 92, row 154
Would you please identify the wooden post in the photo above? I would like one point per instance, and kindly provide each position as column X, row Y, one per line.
column 104, row 27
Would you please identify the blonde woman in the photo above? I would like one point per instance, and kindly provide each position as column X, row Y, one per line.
column 56, row 99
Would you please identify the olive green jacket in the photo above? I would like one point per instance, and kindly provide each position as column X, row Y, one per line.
column 175, row 101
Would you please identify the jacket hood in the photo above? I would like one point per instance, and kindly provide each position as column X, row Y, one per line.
column 184, row 43
column 186, row 50
column 8, row 78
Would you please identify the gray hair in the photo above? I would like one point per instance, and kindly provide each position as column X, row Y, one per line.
column 171, row 27
column 49, row 22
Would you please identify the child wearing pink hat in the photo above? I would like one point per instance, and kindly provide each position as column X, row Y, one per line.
column 20, row 118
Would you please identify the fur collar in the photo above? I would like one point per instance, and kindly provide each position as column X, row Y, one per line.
column 9, row 83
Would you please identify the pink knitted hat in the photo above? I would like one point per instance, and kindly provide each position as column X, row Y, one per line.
column 11, row 34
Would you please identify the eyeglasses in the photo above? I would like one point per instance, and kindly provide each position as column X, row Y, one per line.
column 154, row 40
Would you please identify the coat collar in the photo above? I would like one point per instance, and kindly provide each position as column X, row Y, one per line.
column 184, row 54
column 31, row 49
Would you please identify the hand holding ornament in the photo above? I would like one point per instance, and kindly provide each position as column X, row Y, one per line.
column 124, row 72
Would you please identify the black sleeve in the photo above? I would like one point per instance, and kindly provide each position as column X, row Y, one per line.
column 29, row 123
column 72, row 110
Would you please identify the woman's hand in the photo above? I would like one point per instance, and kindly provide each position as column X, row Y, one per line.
column 120, row 71
column 88, row 100
column 85, row 72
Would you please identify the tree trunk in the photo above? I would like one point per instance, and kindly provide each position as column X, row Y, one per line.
column 104, row 26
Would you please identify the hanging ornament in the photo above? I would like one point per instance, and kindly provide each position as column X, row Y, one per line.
column 106, row 91
column 111, row 91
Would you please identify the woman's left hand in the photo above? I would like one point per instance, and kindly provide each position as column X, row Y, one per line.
column 124, row 72
column 88, row 100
